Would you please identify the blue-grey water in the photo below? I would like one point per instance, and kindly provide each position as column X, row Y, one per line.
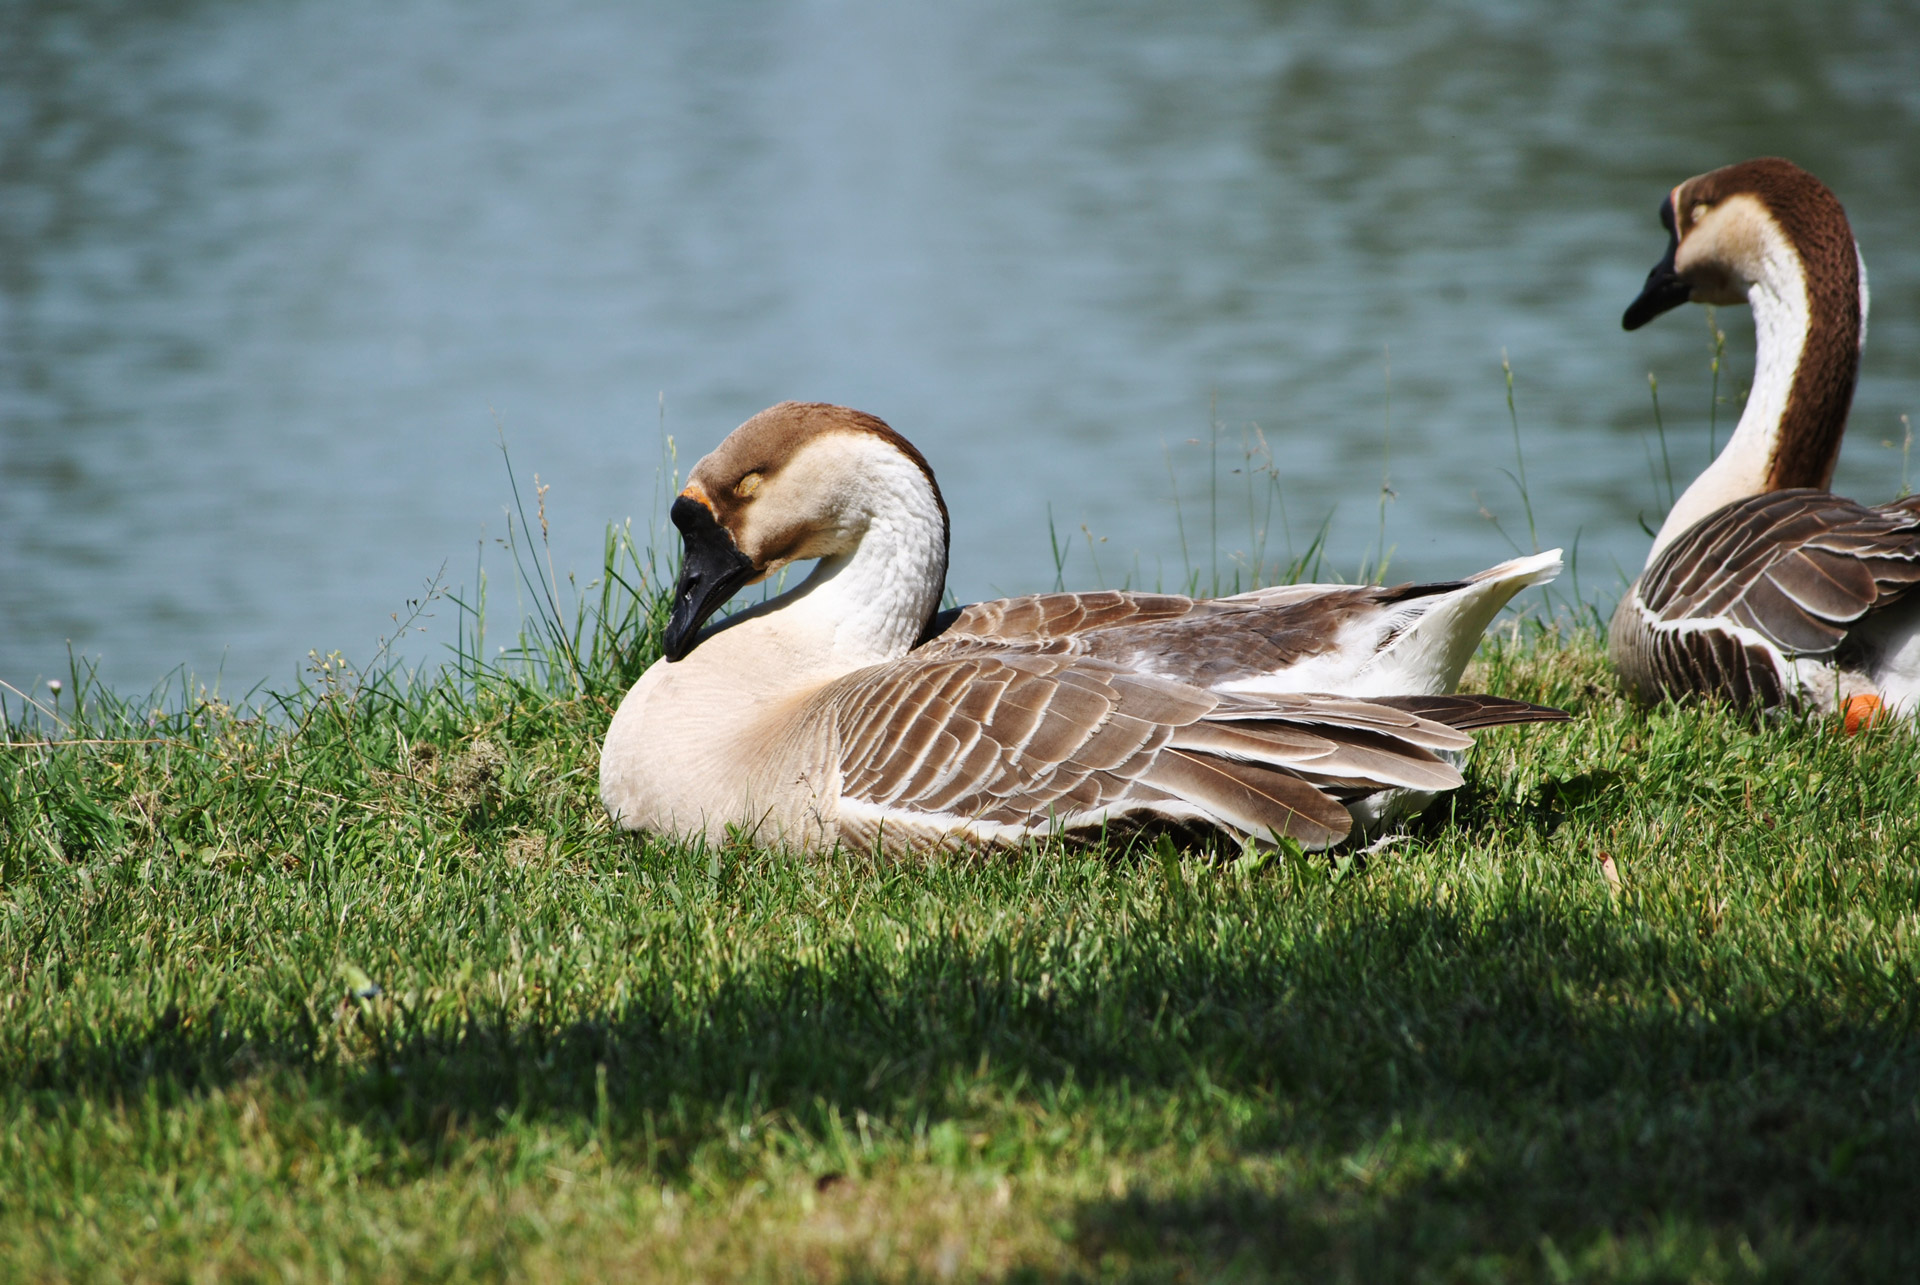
column 277, row 278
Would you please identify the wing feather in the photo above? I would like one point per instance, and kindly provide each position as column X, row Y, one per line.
column 1730, row 605
column 1354, row 757
column 1206, row 642
column 999, row 745
column 1252, row 799
column 1464, row 712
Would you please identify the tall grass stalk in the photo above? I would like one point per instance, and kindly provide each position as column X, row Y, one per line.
column 1719, row 341
column 561, row 641
column 1519, row 456
column 1254, row 448
column 1093, row 555
column 1660, row 428
column 1213, row 492
column 1381, row 554
column 1179, row 517
column 1059, row 549
column 1906, row 455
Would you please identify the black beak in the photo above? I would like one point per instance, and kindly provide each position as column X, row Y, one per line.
column 1665, row 289
column 711, row 571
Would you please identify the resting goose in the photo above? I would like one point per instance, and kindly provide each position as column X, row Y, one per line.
column 851, row 711
column 1761, row 586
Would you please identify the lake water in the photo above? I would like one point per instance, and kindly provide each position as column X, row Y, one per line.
column 276, row 280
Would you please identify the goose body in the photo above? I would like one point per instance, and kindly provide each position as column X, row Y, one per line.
column 1763, row 587
column 850, row 711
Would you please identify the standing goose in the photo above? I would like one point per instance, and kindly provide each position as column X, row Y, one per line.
column 851, row 711
column 1763, row 587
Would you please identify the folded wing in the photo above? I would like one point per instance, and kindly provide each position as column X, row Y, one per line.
column 1780, row 576
column 998, row 746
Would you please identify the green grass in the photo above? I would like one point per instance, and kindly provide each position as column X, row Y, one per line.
column 1470, row 1057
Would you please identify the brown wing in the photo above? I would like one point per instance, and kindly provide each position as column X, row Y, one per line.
column 1204, row 641
column 1788, row 573
column 1046, row 617
column 996, row 747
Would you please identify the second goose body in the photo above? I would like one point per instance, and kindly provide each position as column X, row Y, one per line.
column 850, row 711
column 1763, row 587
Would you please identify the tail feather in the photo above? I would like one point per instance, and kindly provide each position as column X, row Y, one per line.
column 1307, row 767
column 1431, row 650
column 1525, row 572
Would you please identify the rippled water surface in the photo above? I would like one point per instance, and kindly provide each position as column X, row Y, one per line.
column 276, row 280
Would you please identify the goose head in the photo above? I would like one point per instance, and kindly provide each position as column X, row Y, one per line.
column 799, row 481
column 1743, row 225
column 1768, row 234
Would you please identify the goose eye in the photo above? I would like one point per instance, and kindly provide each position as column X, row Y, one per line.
column 746, row 486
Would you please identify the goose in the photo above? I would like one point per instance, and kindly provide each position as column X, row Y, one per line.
column 851, row 711
column 1763, row 587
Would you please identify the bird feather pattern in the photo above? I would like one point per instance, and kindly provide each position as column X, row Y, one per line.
column 1046, row 741
column 1751, row 587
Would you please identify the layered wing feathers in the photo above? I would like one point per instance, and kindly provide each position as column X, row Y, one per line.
column 1000, row 745
column 1207, row 641
column 1731, row 603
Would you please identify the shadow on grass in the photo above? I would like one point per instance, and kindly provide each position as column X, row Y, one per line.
column 1401, row 1084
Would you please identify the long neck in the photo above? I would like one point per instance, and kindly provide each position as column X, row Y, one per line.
column 1809, row 319
column 872, row 604
column 854, row 609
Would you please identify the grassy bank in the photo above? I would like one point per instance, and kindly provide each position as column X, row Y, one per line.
column 366, row 988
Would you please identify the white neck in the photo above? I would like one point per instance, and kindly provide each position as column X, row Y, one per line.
column 1781, row 316
column 722, row 733
column 856, row 608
